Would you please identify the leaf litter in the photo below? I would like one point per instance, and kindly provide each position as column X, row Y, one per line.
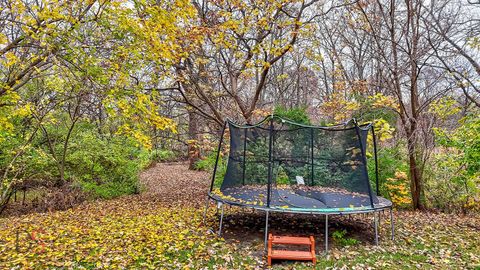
column 162, row 228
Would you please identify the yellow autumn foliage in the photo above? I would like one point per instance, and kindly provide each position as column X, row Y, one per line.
column 119, row 234
column 397, row 188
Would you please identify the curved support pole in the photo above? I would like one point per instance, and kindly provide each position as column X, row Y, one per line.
column 266, row 229
column 376, row 160
column 217, row 157
column 364, row 160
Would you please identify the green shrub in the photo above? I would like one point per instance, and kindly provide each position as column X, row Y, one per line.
column 339, row 238
column 282, row 177
column 162, row 155
column 109, row 190
column 453, row 173
column 105, row 167
column 298, row 115
column 207, row 163
column 390, row 161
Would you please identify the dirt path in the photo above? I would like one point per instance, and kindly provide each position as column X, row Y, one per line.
column 173, row 183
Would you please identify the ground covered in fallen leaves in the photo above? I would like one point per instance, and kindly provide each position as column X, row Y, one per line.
column 162, row 229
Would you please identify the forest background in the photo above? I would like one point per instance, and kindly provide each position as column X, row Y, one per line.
column 93, row 92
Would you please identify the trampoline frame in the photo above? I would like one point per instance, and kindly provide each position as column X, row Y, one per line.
column 346, row 211
column 221, row 203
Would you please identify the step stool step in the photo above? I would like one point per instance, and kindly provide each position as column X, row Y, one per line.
column 292, row 255
column 291, row 240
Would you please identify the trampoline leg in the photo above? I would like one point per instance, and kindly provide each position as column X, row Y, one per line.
column 392, row 223
column 221, row 223
column 379, row 219
column 375, row 221
column 266, row 229
column 326, row 234
column 206, row 209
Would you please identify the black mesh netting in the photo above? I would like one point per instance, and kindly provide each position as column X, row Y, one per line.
column 280, row 164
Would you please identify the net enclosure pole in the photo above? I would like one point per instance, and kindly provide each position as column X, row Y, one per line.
column 218, row 155
column 214, row 171
column 311, row 154
column 364, row 159
column 270, row 146
column 376, row 160
column 244, row 155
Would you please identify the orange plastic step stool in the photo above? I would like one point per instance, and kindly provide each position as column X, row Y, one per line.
column 291, row 254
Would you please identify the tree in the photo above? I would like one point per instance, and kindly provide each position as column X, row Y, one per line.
column 100, row 61
column 243, row 42
column 399, row 41
column 457, row 32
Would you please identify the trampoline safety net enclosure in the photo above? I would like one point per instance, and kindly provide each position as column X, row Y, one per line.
column 280, row 165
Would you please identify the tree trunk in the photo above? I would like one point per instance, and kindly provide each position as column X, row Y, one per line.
column 61, row 166
column 193, row 145
column 416, row 184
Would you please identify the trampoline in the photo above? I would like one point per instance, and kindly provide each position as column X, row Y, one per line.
column 278, row 165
